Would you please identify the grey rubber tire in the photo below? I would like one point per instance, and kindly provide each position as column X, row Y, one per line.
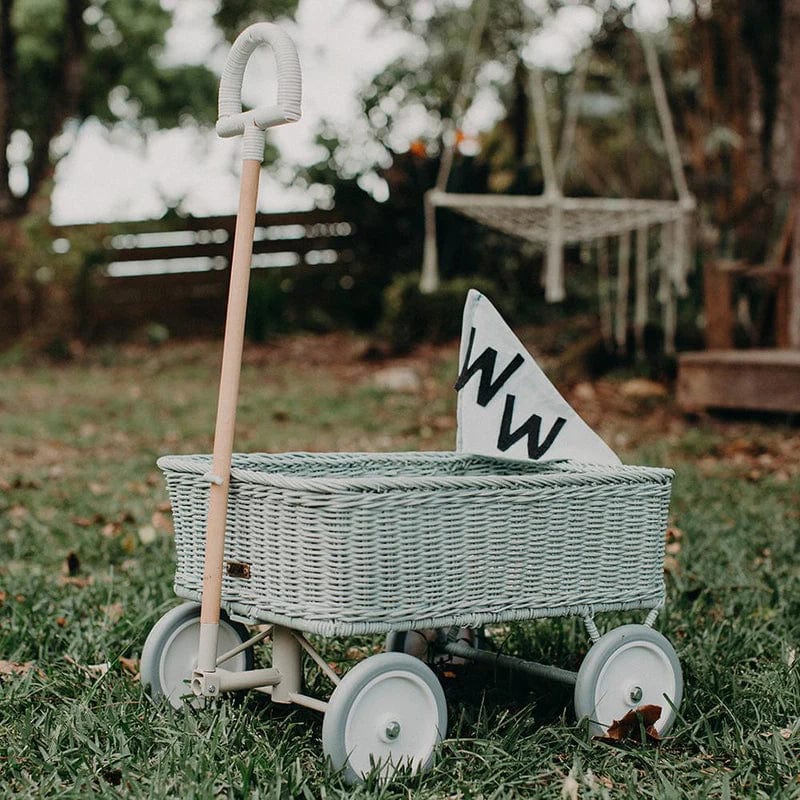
column 388, row 711
column 629, row 667
column 170, row 650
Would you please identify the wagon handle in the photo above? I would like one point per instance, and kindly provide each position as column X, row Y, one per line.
column 252, row 124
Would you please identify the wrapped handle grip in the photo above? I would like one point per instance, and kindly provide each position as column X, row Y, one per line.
column 232, row 120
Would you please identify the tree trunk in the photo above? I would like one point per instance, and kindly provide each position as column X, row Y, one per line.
column 785, row 166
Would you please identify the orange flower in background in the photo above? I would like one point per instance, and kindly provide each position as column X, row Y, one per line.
column 461, row 137
column 418, row 148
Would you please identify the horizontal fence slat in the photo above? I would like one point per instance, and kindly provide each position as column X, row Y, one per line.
column 184, row 285
column 213, row 249
column 225, row 222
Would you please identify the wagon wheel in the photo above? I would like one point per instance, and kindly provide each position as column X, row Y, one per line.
column 629, row 667
column 388, row 712
column 170, row 652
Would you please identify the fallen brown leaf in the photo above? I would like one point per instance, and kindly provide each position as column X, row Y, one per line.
column 113, row 612
column 80, row 581
column 671, row 565
column 89, row 670
column 641, row 388
column 674, row 534
column 130, row 666
column 111, row 529
column 161, row 522
column 87, row 522
column 630, row 726
column 14, row 667
column 570, row 788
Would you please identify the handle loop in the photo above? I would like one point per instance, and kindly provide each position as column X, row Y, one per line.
column 232, row 120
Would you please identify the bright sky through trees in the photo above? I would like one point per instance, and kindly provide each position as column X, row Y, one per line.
column 122, row 175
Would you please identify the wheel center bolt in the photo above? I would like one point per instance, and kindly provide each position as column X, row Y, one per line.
column 636, row 694
column 392, row 729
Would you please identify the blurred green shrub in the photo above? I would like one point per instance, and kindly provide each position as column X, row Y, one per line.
column 411, row 317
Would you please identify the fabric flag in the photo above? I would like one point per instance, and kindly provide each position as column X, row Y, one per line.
column 506, row 405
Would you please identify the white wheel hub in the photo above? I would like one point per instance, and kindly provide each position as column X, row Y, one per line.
column 638, row 674
column 407, row 735
column 388, row 712
column 169, row 655
column 629, row 667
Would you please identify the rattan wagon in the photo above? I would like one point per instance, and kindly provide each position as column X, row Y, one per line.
column 337, row 544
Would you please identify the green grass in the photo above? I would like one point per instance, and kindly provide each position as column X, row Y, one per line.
column 77, row 475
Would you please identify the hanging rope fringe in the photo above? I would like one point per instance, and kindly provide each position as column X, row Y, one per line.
column 429, row 280
column 670, row 316
column 554, row 291
column 552, row 220
column 641, row 295
column 623, row 288
column 665, row 246
column 680, row 258
column 666, row 295
column 604, row 292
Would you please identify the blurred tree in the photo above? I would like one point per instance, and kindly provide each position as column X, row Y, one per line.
column 742, row 116
column 62, row 61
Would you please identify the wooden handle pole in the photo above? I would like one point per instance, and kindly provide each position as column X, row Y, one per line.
column 228, row 395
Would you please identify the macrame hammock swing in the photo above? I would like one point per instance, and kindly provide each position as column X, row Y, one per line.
column 556, row 221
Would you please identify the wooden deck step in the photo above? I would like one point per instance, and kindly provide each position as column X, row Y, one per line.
column 757, row 380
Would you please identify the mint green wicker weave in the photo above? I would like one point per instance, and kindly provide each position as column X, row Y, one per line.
column 347, row 543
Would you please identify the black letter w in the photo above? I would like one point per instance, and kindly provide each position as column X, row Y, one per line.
column 484, row 364
column 531, row 428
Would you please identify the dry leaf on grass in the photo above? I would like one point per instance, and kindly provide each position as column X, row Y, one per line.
column 89, row 670
column 570, row 788
column 629, row 728
column 111, row 529
column 671, row 565
column 113, row 612
column 14, row 667
column 130, row 666
column 642, row 388
column 81, row 581
column 161, row 522
column 87, row 522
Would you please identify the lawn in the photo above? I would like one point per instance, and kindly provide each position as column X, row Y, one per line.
column 86, row 566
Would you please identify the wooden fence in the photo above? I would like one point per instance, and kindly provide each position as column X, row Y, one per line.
column 176, row 271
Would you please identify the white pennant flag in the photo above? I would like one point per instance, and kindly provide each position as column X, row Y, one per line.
column 506, row 405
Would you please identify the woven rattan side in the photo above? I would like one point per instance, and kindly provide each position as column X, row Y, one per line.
column 344, row 543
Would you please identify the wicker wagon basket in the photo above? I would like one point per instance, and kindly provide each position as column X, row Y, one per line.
column 343, row 543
